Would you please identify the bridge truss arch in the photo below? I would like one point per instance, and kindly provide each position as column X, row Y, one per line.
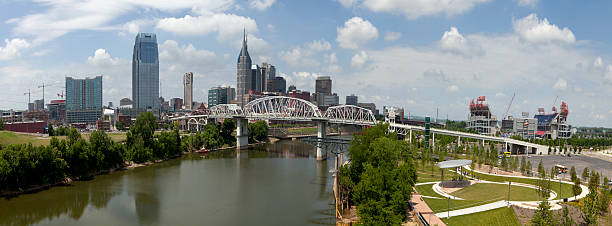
column 350, row 114
column 282, row 108
column 225, row 111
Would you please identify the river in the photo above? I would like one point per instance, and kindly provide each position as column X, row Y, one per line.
column 270, row 184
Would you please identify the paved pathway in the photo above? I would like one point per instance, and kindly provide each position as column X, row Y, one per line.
column 422, row 207
column 475, row 209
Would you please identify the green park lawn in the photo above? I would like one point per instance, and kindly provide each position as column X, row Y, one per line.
column 8, row 138
column 566, row 189
column 483, row 191
column 500, row 216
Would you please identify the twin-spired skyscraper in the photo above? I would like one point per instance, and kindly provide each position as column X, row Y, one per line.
column 145, row 72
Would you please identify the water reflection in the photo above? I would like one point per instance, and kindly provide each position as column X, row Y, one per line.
column 275, row 184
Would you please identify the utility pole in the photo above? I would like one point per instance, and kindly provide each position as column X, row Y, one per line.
column 448, row 210
column 509, row 193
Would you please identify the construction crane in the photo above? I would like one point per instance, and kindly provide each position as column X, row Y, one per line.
column 28, row 93
column 507, row 110
column 554, row 109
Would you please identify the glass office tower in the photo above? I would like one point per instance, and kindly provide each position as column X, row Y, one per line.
column 145, row 72
column 83, row 100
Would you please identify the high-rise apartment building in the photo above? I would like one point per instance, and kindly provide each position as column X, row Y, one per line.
column 145, row 72
column 244, row 72
column 268, row 74
column 83, row 100
column 188, row 89
column 176, row 104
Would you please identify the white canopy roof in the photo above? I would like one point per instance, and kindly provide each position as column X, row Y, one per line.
column 454, row 163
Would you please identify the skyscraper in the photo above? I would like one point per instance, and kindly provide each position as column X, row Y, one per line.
column 244, row 73
column 323, row 85
column 351, row 100
column 188, row 86
column 83, row 100
column 145, row 72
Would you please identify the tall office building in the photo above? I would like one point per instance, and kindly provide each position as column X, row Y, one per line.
column 256, row 80
column 351, row 100
column 243, row 73
column 145, row 72
column 268, row 74
column 188, row 86
column 220, row 95
column 83, row 100
column 323, row 85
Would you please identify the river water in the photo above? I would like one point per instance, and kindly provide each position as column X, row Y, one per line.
column 271, row 184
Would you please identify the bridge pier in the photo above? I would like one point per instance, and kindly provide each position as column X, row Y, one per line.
column 458, row 141
column 242, row 132
column 321, row 134
column 410, row 136
column 433, row 141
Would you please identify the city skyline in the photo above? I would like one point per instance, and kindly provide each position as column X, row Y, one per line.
column 445, row 55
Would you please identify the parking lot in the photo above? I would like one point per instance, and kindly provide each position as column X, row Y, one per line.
column 578, row 161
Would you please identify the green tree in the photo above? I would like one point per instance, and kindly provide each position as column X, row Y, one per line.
column 504, row 163
column 528, row 168
column 258, row 131
column 576, row 189
column 1, row 124
column 585, row 173
column 211, row 137
column 543, row 216
column 573, row 173
column 50, row 130
column 523, row 165
column 227, row 128
column 541, row 168
column 144, row 127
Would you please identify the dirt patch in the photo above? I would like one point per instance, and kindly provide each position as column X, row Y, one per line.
column 525, row 215
column 495, row 170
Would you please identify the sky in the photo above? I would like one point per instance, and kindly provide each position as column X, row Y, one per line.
column 420, row 55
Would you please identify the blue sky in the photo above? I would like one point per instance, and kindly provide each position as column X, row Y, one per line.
column 420, row 55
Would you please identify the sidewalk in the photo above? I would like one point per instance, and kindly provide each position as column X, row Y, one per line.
column 475, row 209
column 422, row 207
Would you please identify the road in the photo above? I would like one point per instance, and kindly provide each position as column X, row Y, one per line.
column 578, row 161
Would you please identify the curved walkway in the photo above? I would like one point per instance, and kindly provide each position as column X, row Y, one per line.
column 503, row 203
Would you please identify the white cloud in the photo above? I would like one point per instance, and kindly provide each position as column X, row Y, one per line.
column 102, row 58
column 319, row 45
column 453, row 40
column 528, row 3
column 355, row 32
column 392, row 36
column 598, row 63
column 62, row 17
column 359, row 59
column 299, row 56
column 229, row 26
column 500, row 95
column 271, row 28
column 560, row 85
column 331, row 58
column 532, row 29
column 416, row 9
column 261, row 4
column 13, row 48
column 452, row 88
column 608, row 75
column 302, row 80
column 172, row 53
column 347, row 3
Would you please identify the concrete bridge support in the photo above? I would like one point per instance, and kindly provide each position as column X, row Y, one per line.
column 242, row 132
column 458, row 141
column 433, row 141
column 410, row 137
column 321, row 134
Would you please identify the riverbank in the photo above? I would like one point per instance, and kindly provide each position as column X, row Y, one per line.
column 69, row 180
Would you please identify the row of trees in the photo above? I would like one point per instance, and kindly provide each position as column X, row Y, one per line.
column 380, row 178
column 23, row 165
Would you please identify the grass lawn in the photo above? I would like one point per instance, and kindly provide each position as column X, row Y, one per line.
column 566, row 188
column 441, row 205
column 427, row 190
column 8, row 138
column 482, row 191
column 500, row 216
column 424, row 173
